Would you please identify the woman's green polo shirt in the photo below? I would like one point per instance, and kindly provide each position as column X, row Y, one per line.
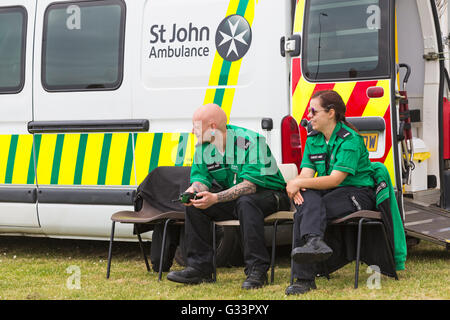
column 344, row 152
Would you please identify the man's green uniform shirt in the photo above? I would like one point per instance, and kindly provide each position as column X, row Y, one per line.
column 246, row 156
column 344, row 152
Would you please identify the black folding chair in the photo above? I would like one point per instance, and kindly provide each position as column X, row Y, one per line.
column 146, row 215
column 366, row 218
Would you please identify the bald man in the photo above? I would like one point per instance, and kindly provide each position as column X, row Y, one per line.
column 251, row 188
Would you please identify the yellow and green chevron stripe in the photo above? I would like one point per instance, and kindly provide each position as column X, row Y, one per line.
column 226, row 73
column 90, row 159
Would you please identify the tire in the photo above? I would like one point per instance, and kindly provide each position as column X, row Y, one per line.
column 229, row 248
column 411, row 242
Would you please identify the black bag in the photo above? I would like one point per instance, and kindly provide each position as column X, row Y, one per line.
column 159, row 188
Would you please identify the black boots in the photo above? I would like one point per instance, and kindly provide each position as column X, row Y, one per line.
column 256, row 279
column 301, row 287
column 189, row 276
column 315, row 250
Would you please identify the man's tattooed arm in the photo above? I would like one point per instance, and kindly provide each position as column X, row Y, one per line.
column 199, row 187
column 245, row 187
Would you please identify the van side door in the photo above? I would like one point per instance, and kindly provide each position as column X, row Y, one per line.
column 82, row 116
column 17, row 168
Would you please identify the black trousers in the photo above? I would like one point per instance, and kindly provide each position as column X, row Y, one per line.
column 251, row 211
column 172, row 241
column 319, row 208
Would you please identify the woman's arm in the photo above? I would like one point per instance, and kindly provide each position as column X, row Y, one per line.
column 291, row 186
column 321, row 183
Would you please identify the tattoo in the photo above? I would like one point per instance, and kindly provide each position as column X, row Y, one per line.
column 243, row 188
column 199, row 187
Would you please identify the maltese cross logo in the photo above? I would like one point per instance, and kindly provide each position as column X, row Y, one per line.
column 233, row 37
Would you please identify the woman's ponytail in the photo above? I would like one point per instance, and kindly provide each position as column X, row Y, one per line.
column 330, row 99
column 351, row 126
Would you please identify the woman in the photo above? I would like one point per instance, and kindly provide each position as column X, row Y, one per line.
column 344, row 184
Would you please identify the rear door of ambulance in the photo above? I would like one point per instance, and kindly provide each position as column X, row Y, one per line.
column 17, row 185
column 82, row 119
column 347, row 46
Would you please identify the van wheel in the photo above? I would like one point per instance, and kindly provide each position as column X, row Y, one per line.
column 229, row 248
column 411, row 242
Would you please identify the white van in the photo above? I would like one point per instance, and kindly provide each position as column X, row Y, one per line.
column 96, row 94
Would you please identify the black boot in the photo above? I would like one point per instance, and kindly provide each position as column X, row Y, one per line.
column 315, row 250
column 301, row 287
column 189, row 276
column 256, row 279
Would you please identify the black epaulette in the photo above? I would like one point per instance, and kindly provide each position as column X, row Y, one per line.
column 242, row 143
column 313, row 133
column 343, row 133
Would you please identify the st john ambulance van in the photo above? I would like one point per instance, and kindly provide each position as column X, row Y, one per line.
column 96, row 94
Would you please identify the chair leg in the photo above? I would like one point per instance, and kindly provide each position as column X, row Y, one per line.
column 214, row 251
column 163, row 246
column 274, row 244
column 141, row 245
column 110, row 250
column 358, row 251
column 292, row 260
column 325, row 270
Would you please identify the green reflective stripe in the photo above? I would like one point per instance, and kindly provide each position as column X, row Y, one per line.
column 35, row 151
column 80, row 158
column 224, row 73
column 104, row 159
column 223, row 81
column 156, row 148
column 11, row 158
column 182, row 146
column 218, row 96
column 128, row 165
column 242, row 7
column 57, row 159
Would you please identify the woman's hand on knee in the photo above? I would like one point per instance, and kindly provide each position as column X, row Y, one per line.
column 292, row 188
column 298, row 198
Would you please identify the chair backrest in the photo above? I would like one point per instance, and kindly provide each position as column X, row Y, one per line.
column 288, row 170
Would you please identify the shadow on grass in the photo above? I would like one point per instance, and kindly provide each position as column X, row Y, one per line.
column 130, row 250
column 68, row 247
column 427, row 250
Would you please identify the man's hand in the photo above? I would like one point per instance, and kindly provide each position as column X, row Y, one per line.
column 207, row 199
column 195, row 187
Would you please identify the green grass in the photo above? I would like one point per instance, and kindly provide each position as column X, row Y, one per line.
column 36, row 269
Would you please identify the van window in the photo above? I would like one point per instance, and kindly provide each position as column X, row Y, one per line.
column 13, row 22
column 346, row 39
column 83, row 46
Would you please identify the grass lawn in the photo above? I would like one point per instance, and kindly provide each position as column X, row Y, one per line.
column 47, row 269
